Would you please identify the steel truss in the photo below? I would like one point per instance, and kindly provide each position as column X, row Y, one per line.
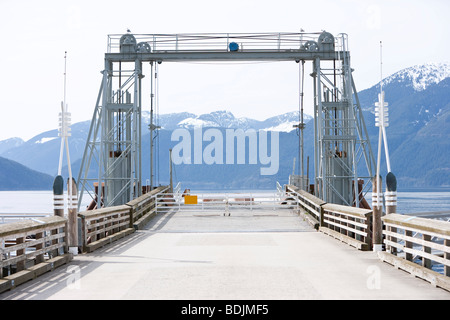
column 341, row 138
column 114, row 140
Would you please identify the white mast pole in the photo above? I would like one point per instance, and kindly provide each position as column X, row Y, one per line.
column 64, row 134
column 379, row 123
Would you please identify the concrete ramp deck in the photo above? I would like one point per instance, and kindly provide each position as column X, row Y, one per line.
column 206, row 255
column 241, row 219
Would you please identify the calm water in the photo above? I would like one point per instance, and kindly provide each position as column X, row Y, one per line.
column 42, row 201
column 415, row 202
column 31, row 202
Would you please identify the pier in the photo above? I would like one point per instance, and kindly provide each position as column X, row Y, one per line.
column 303, row 241
column 276, row 250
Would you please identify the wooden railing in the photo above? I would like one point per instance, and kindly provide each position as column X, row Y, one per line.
column 144, row 207
column 30, row 248
column 105, row 225
column 414, row 243
column 348, row 224
column 310, row 203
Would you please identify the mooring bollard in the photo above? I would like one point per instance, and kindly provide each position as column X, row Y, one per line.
column 391, row 193
column 58, row 206
column 58, row 196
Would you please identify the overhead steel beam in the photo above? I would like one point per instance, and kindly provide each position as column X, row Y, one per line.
column 253, row 55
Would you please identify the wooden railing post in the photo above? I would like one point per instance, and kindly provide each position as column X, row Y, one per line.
column 408, row 245
column 391, row 205
column 39, row 258
column 84, row 232
column 20, row 264
column 447, row 256
column 377, row 205
column 72, row 217
column 321, row 211
column 1, row 260
column 425, row 261
column 368, row 238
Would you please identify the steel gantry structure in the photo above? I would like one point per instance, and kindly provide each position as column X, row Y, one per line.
column 114, row 141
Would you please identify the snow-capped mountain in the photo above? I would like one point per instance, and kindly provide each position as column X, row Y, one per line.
column 421, row 77
column 285, row 122
column 220, row 119
column 418, row 135
column 225, row 119
column 415, row 95
column 45, row 146
column 10, row 143
column 166, row 121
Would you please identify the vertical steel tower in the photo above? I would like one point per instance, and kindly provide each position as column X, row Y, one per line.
column 341, row 138
column 114, row 140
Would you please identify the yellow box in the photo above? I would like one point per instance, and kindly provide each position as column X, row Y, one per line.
column 190, row 199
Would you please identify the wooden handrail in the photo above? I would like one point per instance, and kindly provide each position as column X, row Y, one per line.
column 102, row 212
column 425, row 225
column 309, row 202
column 432, row 245
column 147, row 196
column 98, row 226
column 32, row 242
column 144, row 207
column 29, row 225
column 101, row 226
column 349, row 224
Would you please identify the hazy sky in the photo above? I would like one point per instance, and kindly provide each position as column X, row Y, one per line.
column 37, row 33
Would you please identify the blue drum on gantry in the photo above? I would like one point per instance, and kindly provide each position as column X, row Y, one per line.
column 233, row 46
